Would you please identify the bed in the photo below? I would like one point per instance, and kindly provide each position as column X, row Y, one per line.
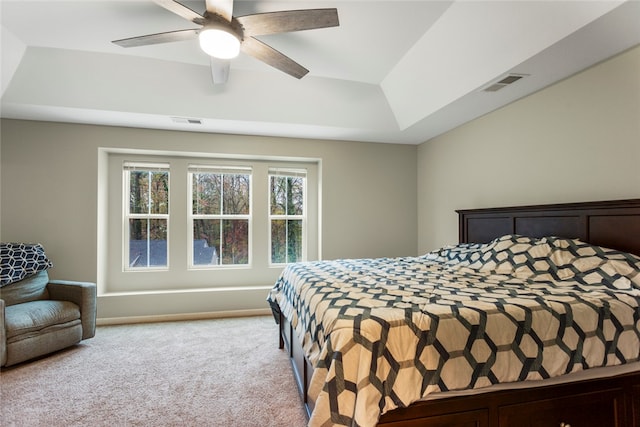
column 532, row 319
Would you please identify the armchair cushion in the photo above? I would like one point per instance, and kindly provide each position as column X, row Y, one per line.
column 32, row 288
column 33, row 318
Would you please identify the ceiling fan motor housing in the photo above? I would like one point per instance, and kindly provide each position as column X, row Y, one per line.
column 218, row 21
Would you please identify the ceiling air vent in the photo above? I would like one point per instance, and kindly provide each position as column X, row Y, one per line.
column 505, row 81
column 186, row 121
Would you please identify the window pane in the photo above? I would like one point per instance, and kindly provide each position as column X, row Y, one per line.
column 235, row 241
column 295, row 189
column 206, row 189
column 159, row 192
column 278, row 241
column 148, row 192
column 139, row 192
column 278, row 185
column 286, row 240
column 294, row 240
column 236, row 194
column 147, row 243
column 206, row 241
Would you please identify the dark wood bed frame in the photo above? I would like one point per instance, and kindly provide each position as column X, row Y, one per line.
column 613, row 401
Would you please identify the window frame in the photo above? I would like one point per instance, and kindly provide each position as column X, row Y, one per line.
column 127, row 168
column 288, row 173
column 221, row 169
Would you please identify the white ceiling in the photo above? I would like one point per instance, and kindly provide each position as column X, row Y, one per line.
column 393, row 71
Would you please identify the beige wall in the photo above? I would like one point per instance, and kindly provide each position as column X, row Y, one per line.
column 49, row 194
column 578, row 140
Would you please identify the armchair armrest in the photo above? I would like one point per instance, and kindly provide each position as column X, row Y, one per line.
column 3, row 336
column 83, row 294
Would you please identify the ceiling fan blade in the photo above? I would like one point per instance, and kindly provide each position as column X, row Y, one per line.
column 219, row 70
column 171, row 36
column 181, row 10
column 223, row 8
column 288, row 20
column 269, row 55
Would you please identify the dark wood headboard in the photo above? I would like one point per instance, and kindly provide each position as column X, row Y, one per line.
column 612, row 224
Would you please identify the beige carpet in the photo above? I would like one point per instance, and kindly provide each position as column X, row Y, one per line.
column 224, row 372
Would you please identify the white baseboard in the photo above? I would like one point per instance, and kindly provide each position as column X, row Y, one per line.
column 179, row 317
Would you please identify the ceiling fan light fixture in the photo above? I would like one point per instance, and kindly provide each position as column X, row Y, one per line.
column 222, row 35
column 219, row 42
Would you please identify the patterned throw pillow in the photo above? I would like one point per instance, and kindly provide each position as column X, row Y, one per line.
column 462, row 254
column 592, row 264
column 523, row 257
column 551, row 259
column 20, row 260
column 559, row 259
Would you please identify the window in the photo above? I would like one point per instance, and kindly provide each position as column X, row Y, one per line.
column 287, row 189
column 173, row 220
column 220, row 215
column 146, row 215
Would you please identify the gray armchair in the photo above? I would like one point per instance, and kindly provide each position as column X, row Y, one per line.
column 39, row 316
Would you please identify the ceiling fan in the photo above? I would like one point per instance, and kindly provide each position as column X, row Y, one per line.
column 223, row 35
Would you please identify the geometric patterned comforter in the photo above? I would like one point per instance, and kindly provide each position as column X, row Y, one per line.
column 383, row 333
